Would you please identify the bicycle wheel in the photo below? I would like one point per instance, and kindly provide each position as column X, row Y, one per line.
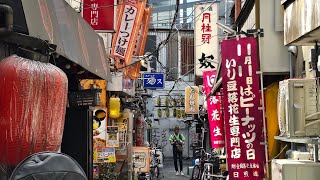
column 196, row 173
column 204, row 176
column 157, row 172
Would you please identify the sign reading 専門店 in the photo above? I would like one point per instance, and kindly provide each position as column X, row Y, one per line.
column 206, row 37
column 243, row 118
column 99, row 14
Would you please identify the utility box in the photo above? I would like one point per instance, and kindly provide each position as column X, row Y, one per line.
column 284, row 169
column 298, row 108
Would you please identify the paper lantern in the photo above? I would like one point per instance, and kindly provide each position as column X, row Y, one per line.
column 114, row 104
column 33, row 98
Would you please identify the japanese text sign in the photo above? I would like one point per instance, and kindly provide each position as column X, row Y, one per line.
column 128, row 26
column 216, row 124
column 153, row 80
column 192, row 100
column 99, row 14
column 205, row 37
column 243, row 118
column 141, row 159
column 208, row 80
column 133, row 72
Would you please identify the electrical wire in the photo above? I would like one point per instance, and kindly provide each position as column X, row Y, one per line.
column 170, row 36
column 278, row 154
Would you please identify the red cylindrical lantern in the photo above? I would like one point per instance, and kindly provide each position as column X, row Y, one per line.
column 33, row 98
column 140, row 123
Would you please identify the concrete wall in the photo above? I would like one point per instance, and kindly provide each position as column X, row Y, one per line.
column 163, row 127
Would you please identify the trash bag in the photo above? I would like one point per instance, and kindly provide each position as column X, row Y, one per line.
column 48, row 166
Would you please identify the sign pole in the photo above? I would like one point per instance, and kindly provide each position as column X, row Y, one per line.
column 263, row 112
column 265, row 143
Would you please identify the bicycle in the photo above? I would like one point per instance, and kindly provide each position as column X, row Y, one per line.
column 207, row 167
column 199, row 164
column 154, row 165
column 138, row 174
column 212, row 168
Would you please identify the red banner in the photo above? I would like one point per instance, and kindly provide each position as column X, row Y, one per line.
column 216, row 124
column 99, row 14
column 243, row 119
column 208, row 80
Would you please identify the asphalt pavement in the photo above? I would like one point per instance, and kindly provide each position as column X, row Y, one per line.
column 168, row 172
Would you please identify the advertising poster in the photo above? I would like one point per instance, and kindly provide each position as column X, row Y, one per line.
column 104, row 155
column 96, row 84
column 122, row 124
column 112, row 136
column 141, row 159
column 243, row 116
column 99, row 127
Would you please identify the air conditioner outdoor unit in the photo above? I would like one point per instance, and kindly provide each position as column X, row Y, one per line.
column 284, row 169
column 298, row 108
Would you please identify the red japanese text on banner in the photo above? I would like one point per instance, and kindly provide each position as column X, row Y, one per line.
column 216, row 123
column 128, row 26
column 243, row 119
column 208, row 80
column 99, row 14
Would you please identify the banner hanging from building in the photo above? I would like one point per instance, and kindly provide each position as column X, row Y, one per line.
column 215, row 119
column 100, row 14
column 243, row 118
column 133, row 72
column 208, row 80
column 192, row 100
column 206, row 37
column 128, row 26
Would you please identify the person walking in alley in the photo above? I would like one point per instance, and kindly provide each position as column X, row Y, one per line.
column 177, row 140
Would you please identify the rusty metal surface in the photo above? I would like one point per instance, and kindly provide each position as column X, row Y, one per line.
column 302, row 22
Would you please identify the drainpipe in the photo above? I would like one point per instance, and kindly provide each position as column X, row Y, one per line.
column 292, row 50
column 8, row 19
column 179, row 53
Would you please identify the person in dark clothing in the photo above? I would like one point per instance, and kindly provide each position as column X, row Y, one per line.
column 177, row 140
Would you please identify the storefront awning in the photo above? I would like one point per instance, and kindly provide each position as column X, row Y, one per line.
column 60, row 24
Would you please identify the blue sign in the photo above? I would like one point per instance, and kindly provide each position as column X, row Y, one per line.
column 153, row 80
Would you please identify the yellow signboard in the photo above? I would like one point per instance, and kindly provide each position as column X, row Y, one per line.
column 104, row 155
column 96, row 84
column 192, row 100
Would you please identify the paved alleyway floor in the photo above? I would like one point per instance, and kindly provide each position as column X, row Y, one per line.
column 168, row 172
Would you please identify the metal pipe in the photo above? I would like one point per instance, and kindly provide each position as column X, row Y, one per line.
column 292, row 52
column 179, row 53
column 263, row 110
column 7, row 10
column 290, row 65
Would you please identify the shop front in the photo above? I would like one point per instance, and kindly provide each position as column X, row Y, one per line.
column 60, row 87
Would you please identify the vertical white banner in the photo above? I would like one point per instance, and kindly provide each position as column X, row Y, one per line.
column 206, row 37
